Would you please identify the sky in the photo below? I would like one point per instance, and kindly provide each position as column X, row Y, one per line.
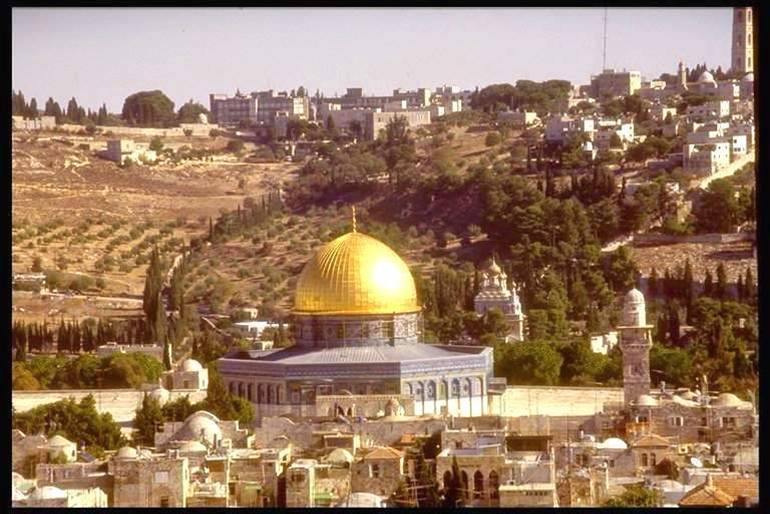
column 105, row 54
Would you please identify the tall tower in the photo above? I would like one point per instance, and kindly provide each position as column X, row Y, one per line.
column 681, row 76
column 743, row 41
column 635, row 343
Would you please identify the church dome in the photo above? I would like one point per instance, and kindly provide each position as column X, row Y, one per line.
column 494, row 269
column 706, row 76
column 355, row 274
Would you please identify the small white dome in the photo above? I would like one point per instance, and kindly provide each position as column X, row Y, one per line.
column 749, row 77
column 200, row 424
column 127, row 452
column 614, row 443
column 16, row 478
column 47, row 492
column 706, row 76
column 192, row 446
column 58, row 441
column 339, row 456
column 728, row 400
column 160, row 394
column 645, row 400
column 191, row 365
column 17, row 495
column 634, row 296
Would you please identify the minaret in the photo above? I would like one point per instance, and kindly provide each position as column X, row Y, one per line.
column 682, row 76
column 743, row 42
column 635, row 343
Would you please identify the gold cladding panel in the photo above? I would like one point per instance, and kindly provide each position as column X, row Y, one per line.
column 355, row 274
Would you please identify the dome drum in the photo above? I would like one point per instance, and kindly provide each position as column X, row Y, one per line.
column 328, row 331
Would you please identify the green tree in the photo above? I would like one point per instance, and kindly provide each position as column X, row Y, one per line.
column 492, row 139
column 191, row 111
column 235, row 145
column 77, row 421
column 156, row 144
column 718, row 210
column 636, row 496
column 721, row 286
column 148, row 418
column 534, row 363
column 148, row 109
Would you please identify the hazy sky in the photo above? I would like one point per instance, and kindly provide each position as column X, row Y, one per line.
column 103, row 55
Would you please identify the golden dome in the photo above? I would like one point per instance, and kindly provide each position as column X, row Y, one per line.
column 355, row 274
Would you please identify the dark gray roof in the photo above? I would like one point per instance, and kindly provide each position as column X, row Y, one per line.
column 358, row 354
column 372, row 361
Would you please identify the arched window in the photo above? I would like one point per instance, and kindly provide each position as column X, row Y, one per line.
column 249, row 394
column 455, row 387
column 466, row 483
column 653, row 460
column 644, row 459
column 478, row 484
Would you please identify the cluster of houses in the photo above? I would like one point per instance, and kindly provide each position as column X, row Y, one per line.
column 359, row 115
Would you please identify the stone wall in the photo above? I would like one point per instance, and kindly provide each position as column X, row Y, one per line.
column 121, row 403
column 198, row 129
column 662, row 239
column 553, row 401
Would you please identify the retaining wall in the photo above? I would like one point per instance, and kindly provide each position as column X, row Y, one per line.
column 121, row 403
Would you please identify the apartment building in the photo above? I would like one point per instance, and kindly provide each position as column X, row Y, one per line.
column 615, row 83
column 231, row 110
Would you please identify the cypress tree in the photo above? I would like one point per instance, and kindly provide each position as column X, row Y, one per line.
column 749, row 286
column 721, row 287
column 687, row 285
column 652, row 283
column 708, row 284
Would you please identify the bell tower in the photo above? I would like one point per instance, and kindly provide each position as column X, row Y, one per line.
column 743, row 41
column 635, row 343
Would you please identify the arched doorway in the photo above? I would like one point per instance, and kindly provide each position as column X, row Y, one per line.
column 447, row 479
column 478, row 485
column 494, row 485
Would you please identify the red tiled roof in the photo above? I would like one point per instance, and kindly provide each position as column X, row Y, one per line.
column 651, row 440
column 738, row 486
column 383, row 452
column 706, row 496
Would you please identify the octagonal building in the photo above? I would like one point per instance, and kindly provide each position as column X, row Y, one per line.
column 357, row 326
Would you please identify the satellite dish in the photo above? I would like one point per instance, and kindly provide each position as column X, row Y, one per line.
column 695, row 461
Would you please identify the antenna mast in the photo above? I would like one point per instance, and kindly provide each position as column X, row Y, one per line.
column 604, row 45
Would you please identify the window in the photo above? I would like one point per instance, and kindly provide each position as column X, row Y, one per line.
column 161, row 477
column 164, row 502
column 677, row 421
column 644, row 459
column 374, row 471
